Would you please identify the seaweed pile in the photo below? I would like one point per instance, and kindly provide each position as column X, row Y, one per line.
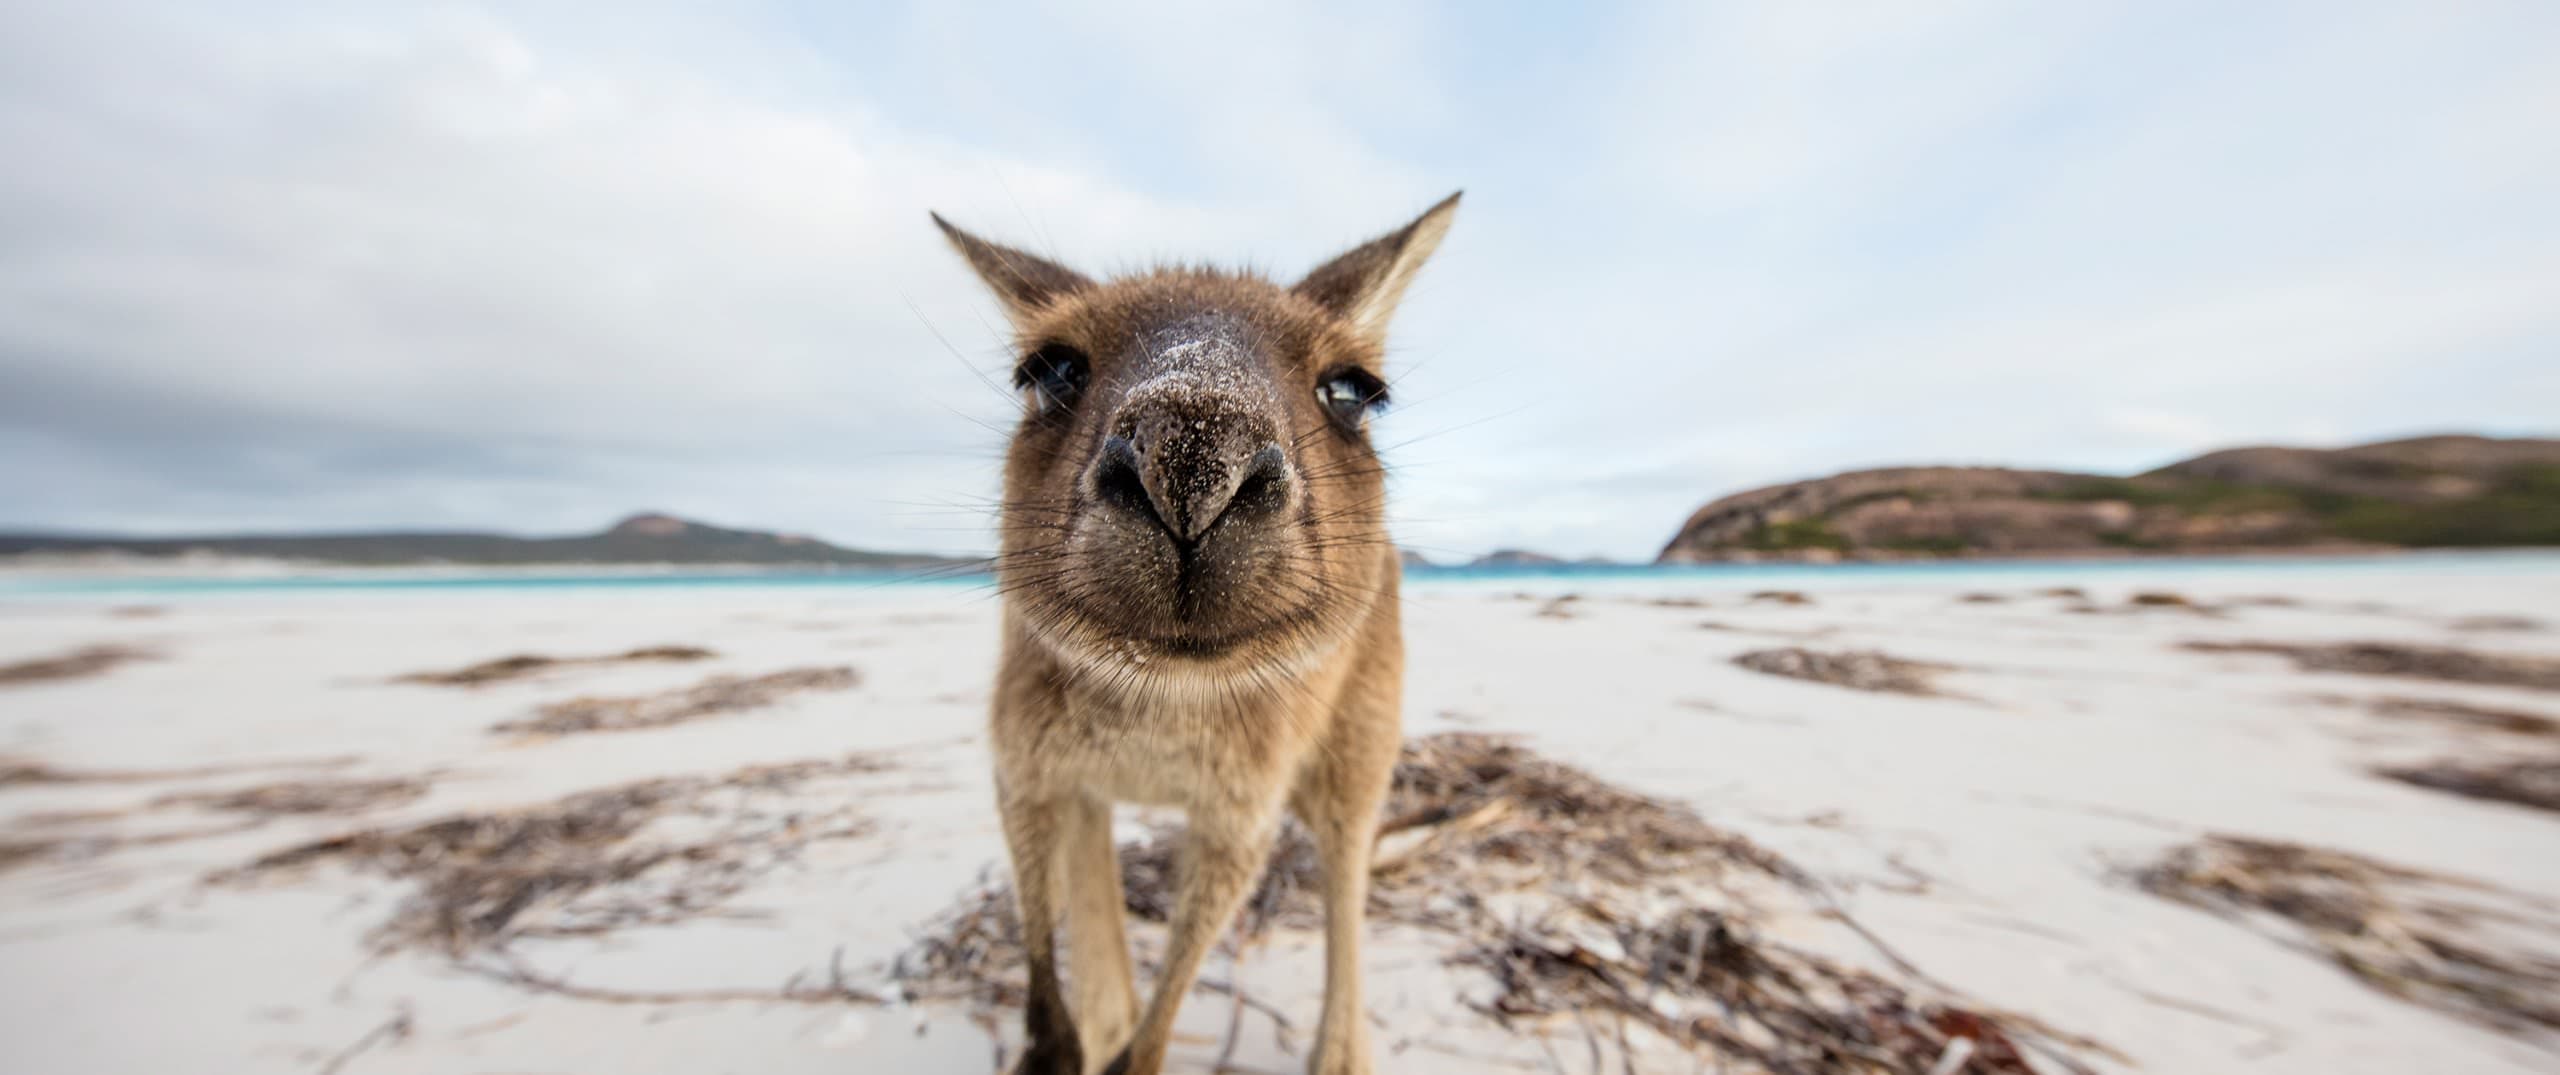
column 1858, row 670
column 305, row 797
column 712, row 697
column 1704, row 979
column 2164, row 599
column 646, row 853
column 1581, row 903
column 2466, row 716
column 28, row 771
column 2405, row 660
column 520, row 665
column 75, row 835
column 75, row 664
column 2448, row 943
column 2534, row 782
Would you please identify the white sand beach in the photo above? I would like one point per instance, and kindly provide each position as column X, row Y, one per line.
column 1983, row 836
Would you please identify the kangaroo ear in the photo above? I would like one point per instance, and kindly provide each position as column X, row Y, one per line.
column 1364, row 284
column 1024, row 283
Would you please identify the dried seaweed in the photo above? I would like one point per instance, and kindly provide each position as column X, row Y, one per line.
column 16, row 853
column 2163, row 599
column 1707, row 979
column 1858, row 670
column 2404, row 660
column 1479, row 804
column 646, row 853
column 711, row 697
column 76, row 664
column 394, row 1030
column 2497, row 623
column 2409, row 933
column 521, row 665
column 1578, row 899
column 15, row 770
column 2266, row 600
column 305, row 797
column 1783, row 597
column 838, row 988
column 2534, row 783
column 2467, row 716
column 18, row 771
column 1486, row 805
column 971, row 954
column 84, row 846
column 2143, row 601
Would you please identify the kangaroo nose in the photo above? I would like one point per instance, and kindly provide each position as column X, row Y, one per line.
column 1188, row 473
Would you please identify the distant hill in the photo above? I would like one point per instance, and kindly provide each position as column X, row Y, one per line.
column 1515, row 558
column 648, row 538
column 2448, row 491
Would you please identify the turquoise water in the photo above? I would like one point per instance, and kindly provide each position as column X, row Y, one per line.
column 1596, row 576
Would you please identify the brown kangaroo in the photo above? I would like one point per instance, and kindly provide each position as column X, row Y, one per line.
column 1200, row 611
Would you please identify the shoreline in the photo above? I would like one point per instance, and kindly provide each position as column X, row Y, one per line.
column 2321, row 551
column 52, row 583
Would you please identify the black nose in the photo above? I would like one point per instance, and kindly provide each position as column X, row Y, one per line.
column 1187, row 474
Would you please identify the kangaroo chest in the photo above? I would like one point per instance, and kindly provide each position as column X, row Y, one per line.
column 1194, row 757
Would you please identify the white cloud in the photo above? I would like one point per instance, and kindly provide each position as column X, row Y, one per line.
column 533, row 267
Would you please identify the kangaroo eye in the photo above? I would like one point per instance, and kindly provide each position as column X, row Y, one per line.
column 1054, row 375
column 1351, row 395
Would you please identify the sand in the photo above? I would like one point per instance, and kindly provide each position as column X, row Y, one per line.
column 1984, row 832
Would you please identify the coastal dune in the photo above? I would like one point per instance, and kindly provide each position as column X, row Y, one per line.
column 2457, row 491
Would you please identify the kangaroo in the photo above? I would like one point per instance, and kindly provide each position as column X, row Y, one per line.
column 1200, row 611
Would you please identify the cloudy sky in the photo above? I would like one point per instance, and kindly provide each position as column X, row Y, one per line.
column 532, row 266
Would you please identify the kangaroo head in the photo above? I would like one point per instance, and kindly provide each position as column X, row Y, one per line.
column 1192, row 482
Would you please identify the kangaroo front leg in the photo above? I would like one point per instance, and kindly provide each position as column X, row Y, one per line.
column 1342, row 1035
column 1106, row 995
column 1031, row 835
column 1219, row 865
column 1339, row 802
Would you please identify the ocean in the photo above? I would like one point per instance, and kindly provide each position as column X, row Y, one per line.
column 143, row 583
